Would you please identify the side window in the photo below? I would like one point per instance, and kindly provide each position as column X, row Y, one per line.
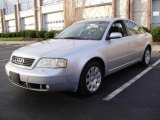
column 141, row 31
column 118, row 27
column 132, row 28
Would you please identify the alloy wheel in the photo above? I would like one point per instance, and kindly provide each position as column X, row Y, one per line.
column 93, row 79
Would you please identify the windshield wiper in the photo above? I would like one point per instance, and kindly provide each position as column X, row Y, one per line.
column 72, row 38
column 77, row 38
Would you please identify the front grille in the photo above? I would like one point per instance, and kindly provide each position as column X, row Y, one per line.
column 22, row 61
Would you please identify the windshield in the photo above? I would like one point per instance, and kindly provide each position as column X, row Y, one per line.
column 88, row 30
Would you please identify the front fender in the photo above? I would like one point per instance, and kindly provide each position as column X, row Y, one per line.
column 82, row 61
column 85, row 59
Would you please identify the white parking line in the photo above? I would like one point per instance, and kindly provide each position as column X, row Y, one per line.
column 123, row 87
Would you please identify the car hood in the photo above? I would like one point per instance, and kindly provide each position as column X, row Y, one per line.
column 52, row 48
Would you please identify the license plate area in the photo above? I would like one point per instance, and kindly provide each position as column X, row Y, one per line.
column 14, row 77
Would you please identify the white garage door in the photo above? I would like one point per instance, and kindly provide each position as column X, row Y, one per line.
column 155, row 12
column 11, row 26
column 28, row 23
column 53, row 21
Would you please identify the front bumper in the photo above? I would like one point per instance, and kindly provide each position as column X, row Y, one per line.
column 43, row 79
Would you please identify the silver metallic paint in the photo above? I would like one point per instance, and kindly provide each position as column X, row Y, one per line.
column 115, row 53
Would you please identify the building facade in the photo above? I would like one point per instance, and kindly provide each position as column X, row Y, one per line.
column 56, row 14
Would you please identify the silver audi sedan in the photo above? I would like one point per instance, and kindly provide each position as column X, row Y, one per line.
column 80, row 56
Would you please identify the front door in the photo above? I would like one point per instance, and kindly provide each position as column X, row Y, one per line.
column 118, row 49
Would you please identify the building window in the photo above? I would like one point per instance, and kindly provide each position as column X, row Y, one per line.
column 8, row 5
column 9, row 10
column 26, row 4
column 46, row 2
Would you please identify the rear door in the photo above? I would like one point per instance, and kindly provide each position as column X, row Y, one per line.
column 136, row 38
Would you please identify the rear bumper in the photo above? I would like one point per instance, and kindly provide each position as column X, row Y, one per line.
column 42, row 79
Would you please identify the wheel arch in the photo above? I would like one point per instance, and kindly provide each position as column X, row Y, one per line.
column 94, row 59
column 99, row 60
column 149, row 46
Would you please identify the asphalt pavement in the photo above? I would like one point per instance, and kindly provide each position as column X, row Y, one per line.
column 139, row 101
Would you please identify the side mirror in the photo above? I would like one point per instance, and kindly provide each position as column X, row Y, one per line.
column 115, row 35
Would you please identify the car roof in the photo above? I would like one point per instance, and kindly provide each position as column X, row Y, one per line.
column 103, row 19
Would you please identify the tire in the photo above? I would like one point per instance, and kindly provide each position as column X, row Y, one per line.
column 146, row 57
column 91, row 79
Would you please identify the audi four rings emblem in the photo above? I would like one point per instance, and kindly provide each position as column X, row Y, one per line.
column 18, row 61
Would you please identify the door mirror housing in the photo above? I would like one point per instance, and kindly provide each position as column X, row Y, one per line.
column 115, row 35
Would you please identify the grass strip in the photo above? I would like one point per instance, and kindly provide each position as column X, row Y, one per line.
column 12, row 39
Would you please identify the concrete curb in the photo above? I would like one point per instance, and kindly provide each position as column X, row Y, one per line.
column 156, row 47
column 17, row 42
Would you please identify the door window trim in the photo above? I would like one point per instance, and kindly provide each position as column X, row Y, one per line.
column 123, row 26
column 136, row 25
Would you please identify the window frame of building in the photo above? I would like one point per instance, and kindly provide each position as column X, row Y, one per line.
column 9, row 10
column 27, row 5
column 47, row 2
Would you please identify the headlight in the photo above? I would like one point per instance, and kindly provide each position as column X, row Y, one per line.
column 52, row 63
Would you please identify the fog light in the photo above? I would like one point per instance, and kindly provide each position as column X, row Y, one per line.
column 47, row 86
